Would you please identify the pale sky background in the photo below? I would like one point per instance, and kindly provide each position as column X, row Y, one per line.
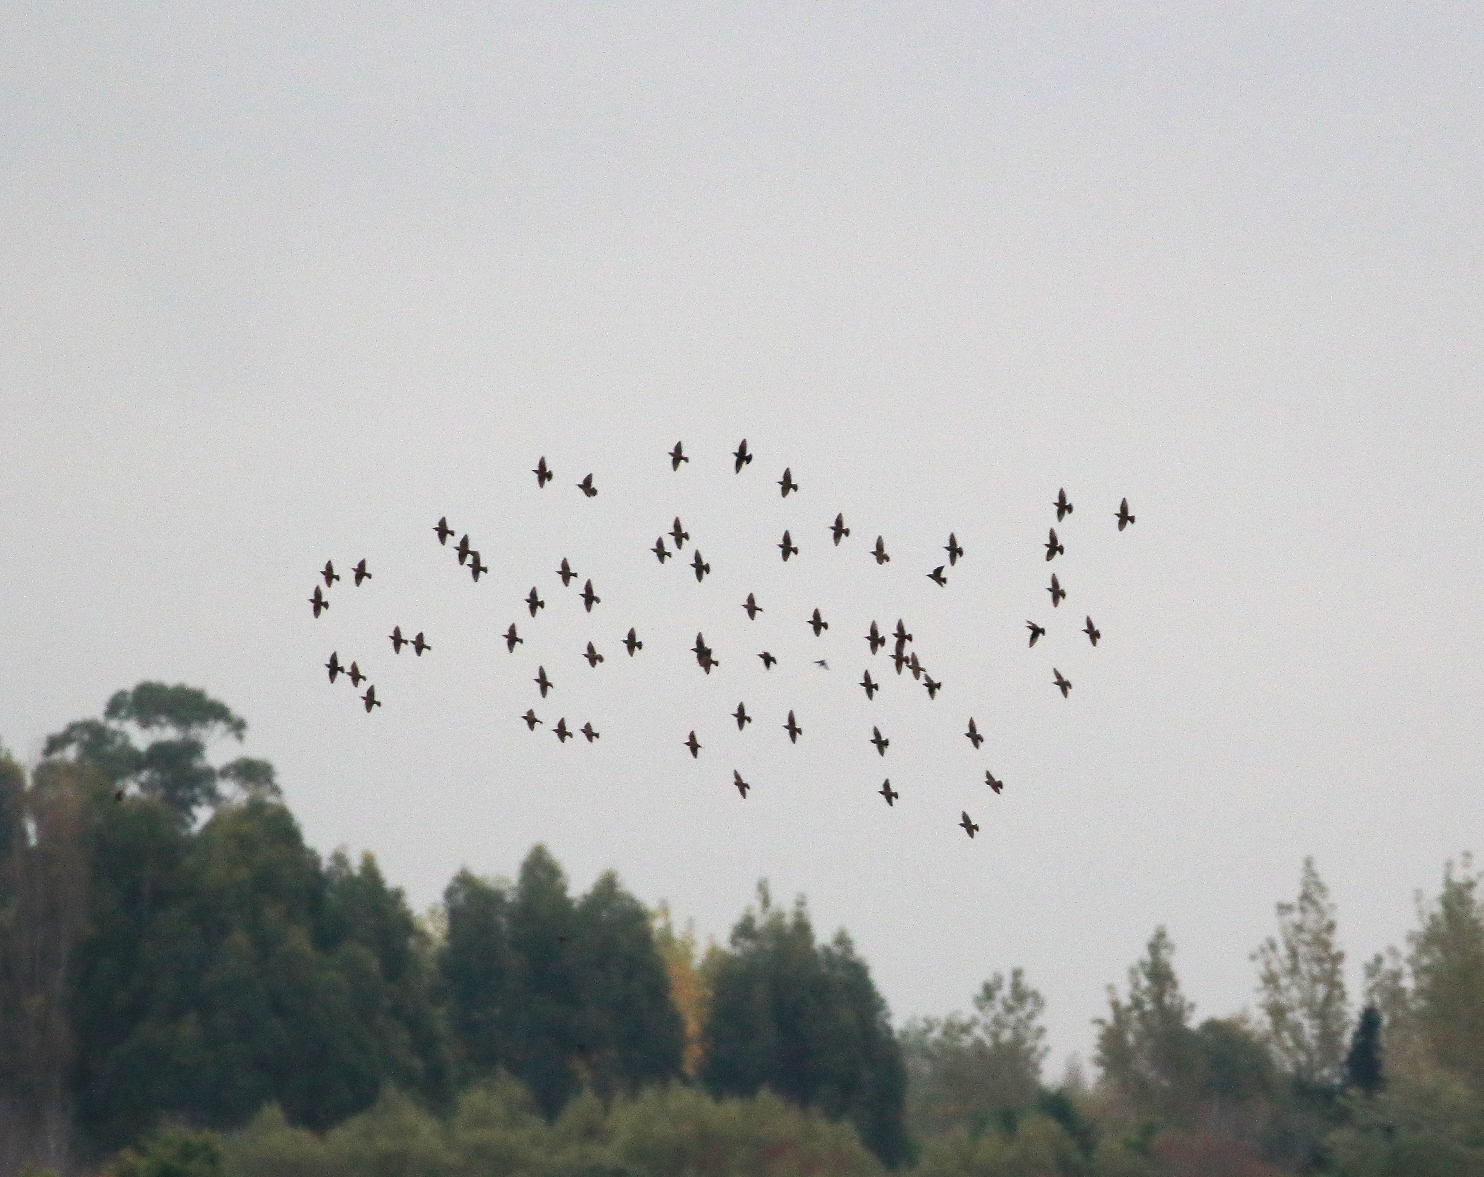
column 287, row 283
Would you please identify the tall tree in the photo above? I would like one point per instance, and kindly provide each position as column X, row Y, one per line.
column 1363, row 1063
column 1447, row 965
column 477, row 969
column 1301, row 987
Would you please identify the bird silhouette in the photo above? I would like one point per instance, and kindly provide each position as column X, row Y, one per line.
column 590, row 598
column 476, row 569
column 742, row 456
column 678, row 534
column 752, row 607
column 901, row 634
column 898, row 659
column 953, row 549
column 1124, row 518
column 1063, row 684
column 932, row 687
column 534, row 602
column 328, row 572
column 693, row 744
column 1054, row 547
column 590, row 732
column 821, row 663
column 937, row 577
column 318, row 601
column 970, row 827
column 818, row 623
column 787, row 482
column 443, row 530
column 677, row 455
column 741, row 716
column 768, row 660
column 874, row 638
column 660, row 550
column 333, row 665
column 592, row 655
column 511, row 638
column 703, row 654
column 370, row 699
column 880, row 552
column 542, row 681
column 1063, row 505
column 632, row 642
column 888, row 792
column 915, row 666
column 881, row 742
column 543, row 472
column 975, row 737
column 361, row 573
column 838, row 529
column 419, row 644
column 871, row 686
column 530, row 718
column 562, row 734
column 1056, row 591
column 1092, row 632
column 787, row 546
column 1037, row 631
column 699, row 565
column 793, row 729
column 463, row 548
column 355, row 675
column 742, row 786
column 398, row 641
column 566, row 573
column 586, row 486
column 989, row 779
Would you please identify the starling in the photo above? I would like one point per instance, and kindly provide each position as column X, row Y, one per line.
column 566, row 573
column 768, row 660
column 1064, row 684
column 511, row 638
column 542, row 472
column 700, row 566
column 871, row 687
column 970, row 827
column 989, row 779
column 677, row 455
column 590, row 598
column 398, row 641
column 1054, row 547
column 888, row 792
column 1063, row 505
column 542, row 681
column 1092, row 632
column 592, row 655
column 881, row 742
column 1124, row 518
column 534, row 602
column 318, row 601
column 937, row 577
column 742, row 786
column 974, row 735
column 874, row 638
column 788, row 547
column 953, row 550
column 1037, row 631
column 328, row 572
column 752, row 607
column 880, row 552
column 793, row 729
column 562, row 734
column 742, row 456
column 333, row 666
column 787, row 482
column 932, row 687
column 586, row 486
column 678, row 534
column 1056, row 591
column 588, row 731
column 660, row 550
column 839, row 530
column 355, row 675
column 361, row 573
column 463, row 548
column 475, row 567
column 693, row 744
column 818, row 623
column 741, row 716
column 370, row 699
column 632, row 642
column 419, row 644
column 530, row 718
column 443, row 530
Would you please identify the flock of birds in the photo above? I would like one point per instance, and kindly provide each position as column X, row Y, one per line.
column 899, row 639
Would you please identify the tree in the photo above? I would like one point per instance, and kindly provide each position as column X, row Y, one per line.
column 1301, row 987
column 1447, row 965
column 1363, row 1063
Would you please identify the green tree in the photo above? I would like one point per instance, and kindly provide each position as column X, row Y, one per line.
column 1447, row 966
column 1363, row 1063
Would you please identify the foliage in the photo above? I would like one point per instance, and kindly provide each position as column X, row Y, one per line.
column 1420, row 1125
column 1363, row 1062
column 1447, row 965
column 1036, row 1145
column 171, row 1152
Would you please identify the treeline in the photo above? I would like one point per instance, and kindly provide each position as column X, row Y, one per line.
column 187, row 990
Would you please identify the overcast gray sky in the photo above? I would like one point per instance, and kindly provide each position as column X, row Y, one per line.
column 287, row 283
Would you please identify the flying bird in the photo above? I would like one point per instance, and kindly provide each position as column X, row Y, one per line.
column 703, row 654
column 975, row 737
column 742, row 786
column 542, row 472
column 534, row 602
column 1054, row 547
column 398, row 641
column 1037, row 631
column 700, row 566
column 901, row 634
column 318, row 601
column 888, row 792
column 632, row 642
column 788, row 547
column 511, row 638
column 793, row 729
column 752, row 607
column 463, row 548
column 586, row 486
column 693, row 744
column 768, row 660
column 1063, row 505
column 881, row 742
column 898, row 659
column 821, row 663
column 590, row 598
column 874, row 638
column 355, row 675
column 361, row 573
column 970, row 827
column 1064, row 684
column 880, row 552
column 333, row 665
column 953, row 550
column 590, row 732
column 871, row 686
column 542, row 681
column 741, row 716
column 838, row 529
column 419, row 644
column 1056, row 591
column 915, row 666
column 932, row 687
column 592, row 655
column 475, row 567
column 566, row 573
column 1092, row 632
column 677, row 455
column 818, row 623
column 530, row 718
column 443, row 530
column 660, row 550
column 370, row 699
column 742, row 456
column 679, row 534
column 937, row 577
column 1124, row 518
column 787, row 482
column 562, row 734
column 328, row 572
column 989, row 779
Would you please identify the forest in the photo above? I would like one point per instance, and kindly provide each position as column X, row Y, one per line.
column 188, row 990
